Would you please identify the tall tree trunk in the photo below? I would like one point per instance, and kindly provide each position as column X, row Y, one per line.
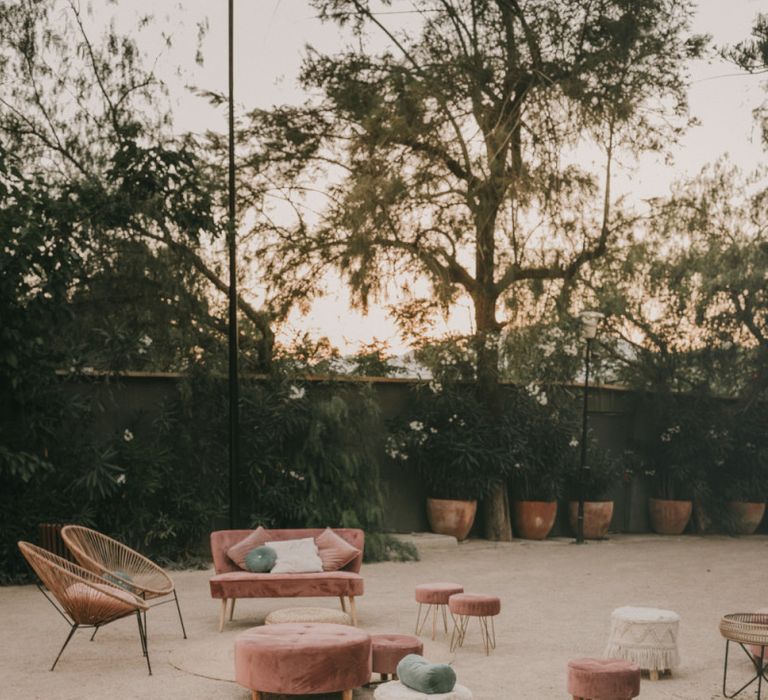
column 497, row 525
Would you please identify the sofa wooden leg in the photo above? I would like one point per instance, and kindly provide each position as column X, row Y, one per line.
column 353, row 613
column 653, row 675
column 343, row 603
column 223, row 614
column 232, row 609
column 346, row 695
column 256, row 695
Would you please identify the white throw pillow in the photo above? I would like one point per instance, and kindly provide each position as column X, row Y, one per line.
column 296, row 557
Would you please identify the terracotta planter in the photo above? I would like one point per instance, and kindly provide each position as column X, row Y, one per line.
column 669, row 517
column 533, row 520
column 451, row 517
column 597, row 518
column 746, row 516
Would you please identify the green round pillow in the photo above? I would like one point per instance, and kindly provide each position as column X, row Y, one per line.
column 419, row 674
column 260, row 560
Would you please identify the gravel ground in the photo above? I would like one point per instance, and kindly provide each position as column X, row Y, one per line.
column 556, row 604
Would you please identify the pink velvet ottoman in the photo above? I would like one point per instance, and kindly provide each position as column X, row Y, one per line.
column 603, row 679
column 389, row 649
column 435, row 596
column 303, row 659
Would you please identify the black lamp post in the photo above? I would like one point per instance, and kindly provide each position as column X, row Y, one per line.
column 589, row 321
column 234, row 388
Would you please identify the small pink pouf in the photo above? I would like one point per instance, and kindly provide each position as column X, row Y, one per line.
column 388, row 649
column 303, row 659
column 603, row 679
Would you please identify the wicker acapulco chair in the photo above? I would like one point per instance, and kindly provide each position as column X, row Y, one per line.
column 121, row 565
column 82, row 598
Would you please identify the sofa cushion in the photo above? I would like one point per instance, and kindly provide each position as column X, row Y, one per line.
column 335, row 552
column 243, row 584
column 296, row 556
column 238, row 552
column 260, row 560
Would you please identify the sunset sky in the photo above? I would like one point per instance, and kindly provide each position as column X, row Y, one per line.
column 270, row 36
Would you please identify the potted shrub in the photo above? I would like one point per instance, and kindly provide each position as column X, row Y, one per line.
column 681, row 446
column 541, row 454
column 597, row 481
column 744, row 474
column 449, row 440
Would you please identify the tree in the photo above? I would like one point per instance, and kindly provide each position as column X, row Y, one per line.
column 454, row 154
column 686, row 297
column 88, row 124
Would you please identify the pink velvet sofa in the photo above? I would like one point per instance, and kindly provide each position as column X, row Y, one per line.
column 231, row 582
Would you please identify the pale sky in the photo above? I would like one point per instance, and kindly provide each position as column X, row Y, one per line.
column 270, row 36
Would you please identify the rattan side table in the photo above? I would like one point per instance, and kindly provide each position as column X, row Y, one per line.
column 746, row 628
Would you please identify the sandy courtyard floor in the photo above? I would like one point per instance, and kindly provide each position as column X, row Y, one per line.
column 556, row 604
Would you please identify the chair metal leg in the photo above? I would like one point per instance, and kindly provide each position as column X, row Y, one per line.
column 66, row 641
column 143, row 640
column 758, row 676
column 178, row 608
column 95, row 629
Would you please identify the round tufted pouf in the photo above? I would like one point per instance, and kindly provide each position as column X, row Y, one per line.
column 603, row 679
column 484, row 608
column 395, row 690
column 335, row 617
column 388, row 649
column 303, row 659
column 435, row 596
column 646, row 637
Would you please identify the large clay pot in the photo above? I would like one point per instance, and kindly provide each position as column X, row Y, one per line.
column 451, row 517
column 597, row 518
column 532, row 520
column 669, row 517
column 746, row 516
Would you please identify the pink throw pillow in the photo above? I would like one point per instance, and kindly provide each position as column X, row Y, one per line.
column 335, row 552
column 237, row 552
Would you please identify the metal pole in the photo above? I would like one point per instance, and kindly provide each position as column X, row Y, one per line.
column 234, row 398
column 584, row 467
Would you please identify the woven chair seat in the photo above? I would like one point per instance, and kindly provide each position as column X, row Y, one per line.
column 747, row 628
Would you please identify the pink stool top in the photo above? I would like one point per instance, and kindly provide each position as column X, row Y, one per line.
column 388, row 649
column 603, row 679
column 437, row 593
column 474, row 604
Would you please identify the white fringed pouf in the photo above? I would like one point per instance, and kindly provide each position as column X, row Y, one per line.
column 646, row 637
column 395, row 690
column 336, row 617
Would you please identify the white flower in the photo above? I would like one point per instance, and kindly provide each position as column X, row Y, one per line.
column 435, row 387
column 120, row 479
column 127, row 435
column 542, row 399
column 532, row 389
column 433, row 431
column 296, row 392
column 145, row 340
column 296, row 475
column 416, row 425
column 666, row 437
column 573, row 443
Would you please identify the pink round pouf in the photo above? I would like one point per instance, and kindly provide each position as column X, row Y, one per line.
column 437, row 593
column 603, row 679
column 299, row 659
column 389, row 649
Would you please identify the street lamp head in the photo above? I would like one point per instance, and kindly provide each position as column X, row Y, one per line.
column 589, row 321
